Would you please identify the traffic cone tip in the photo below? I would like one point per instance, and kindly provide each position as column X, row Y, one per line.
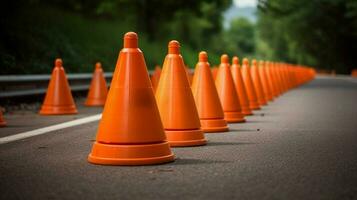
column 58, row 62
column 235, row 60
column 203, row 57
column 98, row 65
column 130, row 40
column 245, row 61
column 174, row 47
column 224, row 58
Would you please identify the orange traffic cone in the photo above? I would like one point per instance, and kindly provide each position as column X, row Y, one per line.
column 98, row 90
column 130, row 131
column 282, row 77
column 58, row 98
column 251, row 93
column 189, row 75
column 271, row 80
column 354, row 73
column 214, row 72
column 285, row 77
column 176, row 103
column 206, row 97
column 240, row 87
column 227, row 92
column 277, row 79
column 257, row 83
column 2, row 121
column 155, row 77
column 265, row 83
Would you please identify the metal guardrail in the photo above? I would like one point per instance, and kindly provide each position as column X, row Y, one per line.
column 14, row 86
column 26, row 85
column 46, row 77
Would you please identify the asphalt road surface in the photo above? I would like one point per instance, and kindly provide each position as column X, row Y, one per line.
column 301, row 146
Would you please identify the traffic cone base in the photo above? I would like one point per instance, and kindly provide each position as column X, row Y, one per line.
column 270, row 97
column 247, row 111
column 185, row 138
column 234, row 117
column 63, row 110
column 121, row 154
column 262, row 103
column 214, row 125
column 94, row 102
column 254, row 106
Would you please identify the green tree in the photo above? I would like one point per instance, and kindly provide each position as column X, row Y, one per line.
column 321, row 33
column 240, row 37
column 82, row 32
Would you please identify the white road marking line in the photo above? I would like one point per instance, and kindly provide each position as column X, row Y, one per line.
column 47, row 129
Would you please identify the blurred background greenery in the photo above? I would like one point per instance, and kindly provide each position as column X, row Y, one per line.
column 320, row 33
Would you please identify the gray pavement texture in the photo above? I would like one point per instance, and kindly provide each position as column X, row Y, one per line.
column 301, row 146
column 26, row 120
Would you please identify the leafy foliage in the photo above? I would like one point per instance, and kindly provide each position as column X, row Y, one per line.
column 83, row 32
column 320, row 33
